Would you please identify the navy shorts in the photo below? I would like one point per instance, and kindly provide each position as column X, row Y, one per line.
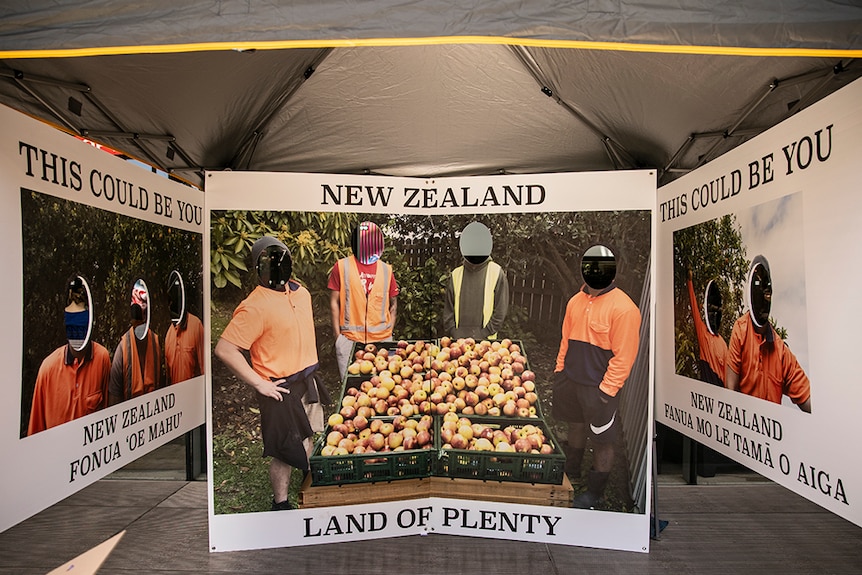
column 586, row 404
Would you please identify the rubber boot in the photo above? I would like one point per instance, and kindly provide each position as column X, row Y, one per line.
column 574, row 457
column 282, row 505
column 596, row 482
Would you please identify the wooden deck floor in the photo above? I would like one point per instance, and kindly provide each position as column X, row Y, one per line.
column 745, row 527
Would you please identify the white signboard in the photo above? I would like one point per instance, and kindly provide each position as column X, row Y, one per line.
column 80, row 228
column 519, row 210
column 768, row 235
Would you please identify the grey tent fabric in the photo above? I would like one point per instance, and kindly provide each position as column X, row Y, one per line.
column 414, row 110
column 466, row 106
column 46, row 24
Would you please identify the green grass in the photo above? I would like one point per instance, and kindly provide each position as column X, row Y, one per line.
column 241, row 477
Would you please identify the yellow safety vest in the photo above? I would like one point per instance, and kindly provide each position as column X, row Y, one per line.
column 492, row 273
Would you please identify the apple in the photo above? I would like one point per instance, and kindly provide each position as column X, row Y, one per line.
column 509, row 408
column 423, row 438
column 395, row 439
column 335, row 419
column 522, row 445
column 458, row 441
column 483, row 444
column 360, row 422
column 377, row 441
column 348, row 412
column 528, row 375
column 408, row 409
column 333, row 437
column 535, row 440
column 465, row 431
column 446, row 435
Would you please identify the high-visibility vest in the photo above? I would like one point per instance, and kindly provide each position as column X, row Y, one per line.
column 133, row 384
column 365, row 317
column 492, row 273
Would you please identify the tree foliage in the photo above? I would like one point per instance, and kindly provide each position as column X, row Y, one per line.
column 424, row 249
column 316, row 240
column 712, row 250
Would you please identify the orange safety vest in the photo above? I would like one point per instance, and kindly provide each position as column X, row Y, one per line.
column 365, row 317
column 133, row 383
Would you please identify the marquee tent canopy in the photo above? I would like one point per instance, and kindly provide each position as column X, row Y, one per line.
column 425, row 89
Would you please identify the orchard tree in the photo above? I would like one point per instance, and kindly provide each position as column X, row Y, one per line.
column 316, row 240
column 712, row 250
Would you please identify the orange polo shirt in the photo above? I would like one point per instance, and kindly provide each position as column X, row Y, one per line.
column 767, row 368
column 68, row 388
column 184, row 350
column 713, row 350
column 277, row 328
column 600, row 339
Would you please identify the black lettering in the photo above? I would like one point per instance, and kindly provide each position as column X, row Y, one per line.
column 336, row 199
column 411, row 201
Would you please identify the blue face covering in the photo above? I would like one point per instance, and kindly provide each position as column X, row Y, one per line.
column 77, row 325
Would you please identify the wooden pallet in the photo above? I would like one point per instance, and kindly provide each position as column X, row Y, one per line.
column 453, row 488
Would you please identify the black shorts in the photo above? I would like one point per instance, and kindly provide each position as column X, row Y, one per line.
column 283, row 426
column 586, row 404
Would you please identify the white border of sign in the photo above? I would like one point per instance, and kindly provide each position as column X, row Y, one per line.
column 587, row 191
column 795, row 191
column 37, row 470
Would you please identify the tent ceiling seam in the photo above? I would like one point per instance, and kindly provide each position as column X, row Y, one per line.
column 618, row 155
column 249, row 144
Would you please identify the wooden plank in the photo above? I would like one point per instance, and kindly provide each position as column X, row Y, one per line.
column 453, row 488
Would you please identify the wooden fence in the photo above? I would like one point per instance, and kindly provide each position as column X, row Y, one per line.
column 535, row 293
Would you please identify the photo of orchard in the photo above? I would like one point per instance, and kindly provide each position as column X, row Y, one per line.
column 434, row 402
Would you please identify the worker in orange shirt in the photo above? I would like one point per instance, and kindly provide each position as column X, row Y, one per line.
column 712, row 349
column 137, row 365
column 759, row 362
column 184, row 341
column 275, row 326
column 73, row 380
column 600, row 339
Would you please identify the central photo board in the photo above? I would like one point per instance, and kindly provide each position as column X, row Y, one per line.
column 397, row 356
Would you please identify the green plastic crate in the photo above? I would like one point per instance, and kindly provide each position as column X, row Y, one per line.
column 503, row 466
column 370, row 467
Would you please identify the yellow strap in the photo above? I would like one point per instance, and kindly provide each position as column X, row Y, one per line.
column 429, row 41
